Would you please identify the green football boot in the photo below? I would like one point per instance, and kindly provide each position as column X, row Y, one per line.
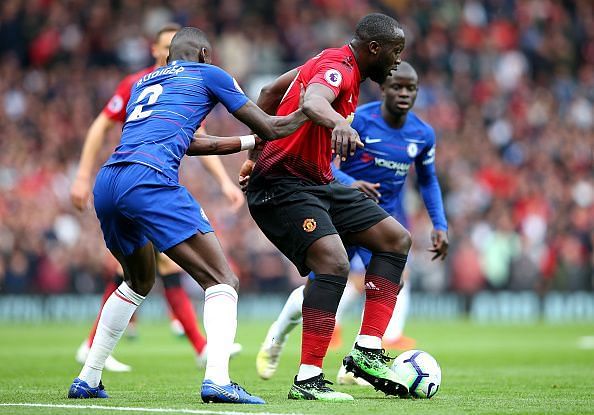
column 371, row 365
column 316, row 389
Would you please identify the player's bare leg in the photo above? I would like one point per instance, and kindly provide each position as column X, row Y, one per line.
column 139, row 277
column 390, row 242
column 202, row 257
column 327, row 258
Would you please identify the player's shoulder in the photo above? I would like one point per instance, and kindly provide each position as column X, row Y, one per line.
column 420, row 124
column 342, row 55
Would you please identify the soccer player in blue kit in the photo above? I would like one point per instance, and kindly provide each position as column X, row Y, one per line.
column 394, row 138
column 140, row 205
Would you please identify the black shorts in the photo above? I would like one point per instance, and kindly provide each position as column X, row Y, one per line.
column 293, row 215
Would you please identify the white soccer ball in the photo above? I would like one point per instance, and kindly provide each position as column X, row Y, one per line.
column 418, row 371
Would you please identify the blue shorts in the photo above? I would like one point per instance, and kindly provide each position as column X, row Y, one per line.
column 136, row 204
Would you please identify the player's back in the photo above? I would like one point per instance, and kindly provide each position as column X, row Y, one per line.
column 306, row 153
column 166, row 107
column 115, row 109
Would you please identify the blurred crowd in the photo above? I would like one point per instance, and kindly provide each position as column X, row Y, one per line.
column 508, row 86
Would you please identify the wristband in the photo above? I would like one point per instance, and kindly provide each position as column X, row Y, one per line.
column 248, row 142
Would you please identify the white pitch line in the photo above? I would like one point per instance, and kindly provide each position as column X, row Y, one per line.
column 135, row 409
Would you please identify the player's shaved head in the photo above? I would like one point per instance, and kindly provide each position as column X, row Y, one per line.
column 377, row 44
column 378, row 27
column 190, row 44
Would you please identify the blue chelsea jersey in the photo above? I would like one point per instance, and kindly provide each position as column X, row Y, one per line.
column 165, row 109
column 388, row 155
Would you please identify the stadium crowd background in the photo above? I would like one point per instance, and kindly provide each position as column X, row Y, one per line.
column 507, row 85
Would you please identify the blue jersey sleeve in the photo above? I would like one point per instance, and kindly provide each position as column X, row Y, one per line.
column 429, row 185
column 226, row 89
column 357, row 123
column 341, row 176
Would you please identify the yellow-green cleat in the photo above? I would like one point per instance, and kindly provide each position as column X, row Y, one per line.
column 268, row 358
column 316, row 389
column 370, row 365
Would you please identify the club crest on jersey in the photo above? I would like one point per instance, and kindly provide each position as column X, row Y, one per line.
column 115, row 103
column 412, row 149
column 309, row 225
column 333, row 77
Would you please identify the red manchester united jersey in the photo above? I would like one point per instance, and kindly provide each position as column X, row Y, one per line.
column 306, row 154
column 116, row 106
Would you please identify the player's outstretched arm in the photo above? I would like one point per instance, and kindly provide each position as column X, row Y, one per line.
column 269, row 127
column 431, row 193
column 204, row 144
column 81, row 187
column 272, row 94
column 213, row 164
column 317, row 106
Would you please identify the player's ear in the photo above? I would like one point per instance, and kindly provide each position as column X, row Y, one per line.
column 204, row 56
column 374, row 48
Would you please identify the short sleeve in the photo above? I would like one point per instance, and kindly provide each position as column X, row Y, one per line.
column 332, row 74
column 226, row 89
column 115, row 109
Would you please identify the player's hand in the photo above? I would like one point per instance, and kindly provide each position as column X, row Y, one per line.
column 233, row 194
column 345, row 140
column 80, row 193
column 440, row 242
column 259, row 143
column 370, row 189
column 244, row 173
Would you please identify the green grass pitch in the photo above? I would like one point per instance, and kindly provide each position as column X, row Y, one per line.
column 487, row 369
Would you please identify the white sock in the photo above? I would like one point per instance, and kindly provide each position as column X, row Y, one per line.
column 369, row 342
column 349, row 297
column 308, row 371
column 289, row 317
column 116, row 314
column 396, row 325
column 220, row 324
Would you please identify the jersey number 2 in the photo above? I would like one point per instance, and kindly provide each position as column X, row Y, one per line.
column 153, row 93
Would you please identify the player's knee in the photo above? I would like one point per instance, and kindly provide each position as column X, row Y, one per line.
column 141, row 287
column 399, row 241
column 402, row 242
column 230, row 279
column 338, row 265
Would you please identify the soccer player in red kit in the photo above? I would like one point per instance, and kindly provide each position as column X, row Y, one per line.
column 294, row 199
column 115, row 112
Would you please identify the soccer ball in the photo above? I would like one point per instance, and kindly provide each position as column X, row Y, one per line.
column 419, row 372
